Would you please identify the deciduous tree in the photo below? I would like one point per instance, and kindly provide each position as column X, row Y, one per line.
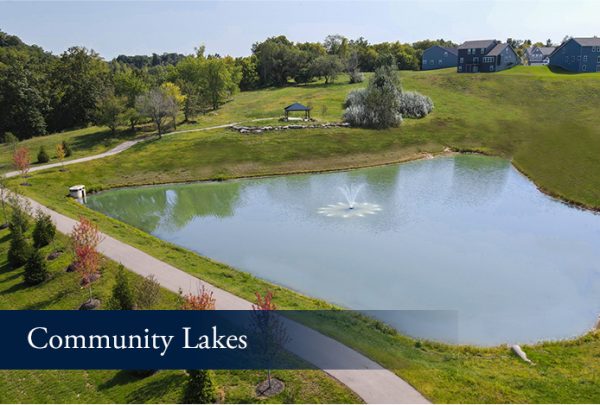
column 157, row 105
column 21, row 160
column 85, row 239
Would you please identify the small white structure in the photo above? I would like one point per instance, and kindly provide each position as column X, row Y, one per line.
column 78, row 192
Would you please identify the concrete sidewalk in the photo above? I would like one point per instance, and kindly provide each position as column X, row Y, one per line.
column 372, row 383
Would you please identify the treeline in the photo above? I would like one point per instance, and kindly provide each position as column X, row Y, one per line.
column 42, row 93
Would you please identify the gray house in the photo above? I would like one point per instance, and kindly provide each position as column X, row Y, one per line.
column 578, row 55
column 485, row 56
column 539, row 55
column 439, row 57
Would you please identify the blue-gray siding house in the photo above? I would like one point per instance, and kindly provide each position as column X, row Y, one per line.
column 539, row 55
column 485, row 56
column 578, row 55
column 439, row 57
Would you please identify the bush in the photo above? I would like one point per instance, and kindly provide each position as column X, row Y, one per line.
column 200, row 388
column 147, row 292
column 67, row 149
column 10, row 139
column 19, row 249
column 122, row 296
column 377, row 105
column 36, row 270
column 356, row 76
column 19, row 219
column 44, row 230
column 43, row 156
column 414, row 105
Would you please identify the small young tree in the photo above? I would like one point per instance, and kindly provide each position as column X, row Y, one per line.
column 157, row 105
column 21, row 160
column 42, row 156
column 19, row 249
column 122, row 297
column 44, row 230
column 67, row 148
column 21, row 211
column 147, row 292
column 200, row 388
column 11, row 140
column 110, row 112
column 85, row 238
column 273, row 335
column 36, row 270
column 173, row 91
column 60, row 155
column 201, row 301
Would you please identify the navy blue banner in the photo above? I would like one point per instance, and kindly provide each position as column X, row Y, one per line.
column 174, row 340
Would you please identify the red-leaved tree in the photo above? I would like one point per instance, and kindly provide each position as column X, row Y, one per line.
column 21, row 160
column 85, row 239
column 201, row 301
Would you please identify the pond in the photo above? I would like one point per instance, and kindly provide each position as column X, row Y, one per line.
column 466, row 245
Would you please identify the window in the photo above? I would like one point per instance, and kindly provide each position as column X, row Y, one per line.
column 460, row 68
column 579, row 59
column 475, row 59
column 584, row 67
column 585, row 58
column 593, row 49
column 482, row 51
column 567, row 59
column 491, row 68
column 462, row 60
column 469, row 51
column 598, row 59
column 432, row 62
column 424, row 61
column 445, row 53
column 488, row 59
column 572, row 58
column 439, row 61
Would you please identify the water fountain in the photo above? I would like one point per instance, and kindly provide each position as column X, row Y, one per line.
column 350, row 208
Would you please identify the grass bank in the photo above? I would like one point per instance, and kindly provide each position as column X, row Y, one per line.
column 112, row 386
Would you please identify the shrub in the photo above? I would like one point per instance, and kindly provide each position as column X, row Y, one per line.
column 42, row 156
column 11, row 139
column 200, row 388
column 147, row 291
column 377, row 105
column 36, row 270
column 67, row 149
column 122, row 296
column 44, row 230
column 19, row 249
column 414, row 105
column 356, row 76
column 19, row 219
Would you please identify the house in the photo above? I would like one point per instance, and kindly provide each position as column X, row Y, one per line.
column 485, row 56
column 577, row 55
column 439, row 57
column 539, row 55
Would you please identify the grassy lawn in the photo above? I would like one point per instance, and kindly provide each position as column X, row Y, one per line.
column 109, row 386
column 546, row 122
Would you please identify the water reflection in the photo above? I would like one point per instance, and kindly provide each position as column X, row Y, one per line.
column 466, row 234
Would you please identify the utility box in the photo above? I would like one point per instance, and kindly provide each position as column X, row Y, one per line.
column 77, row 192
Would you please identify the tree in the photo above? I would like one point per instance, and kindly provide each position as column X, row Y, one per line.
column 157, row 105
column 42, row 156
column 277, row 60
column 122, row 297
column 79, row 79
column 111, row 112
column 327, row 66
column 130, row 84
column 19, row 249
column 202, row 301
column 272, row 331
column 11, row 140
column 21, row 211
column 336, row 45
column 200, row 388
column 221, row 78
column 377, row 106
column 36, row 269
column 172, row 91
column 60, row 154
column 67, row 149
column 249, row 69
column 147, row 292
column 44, row 230
column 188, row 76
column 85, row 238
column 21, row 160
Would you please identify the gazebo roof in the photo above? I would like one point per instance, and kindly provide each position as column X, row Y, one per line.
column 297, row 107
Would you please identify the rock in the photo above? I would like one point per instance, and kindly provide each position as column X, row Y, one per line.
column 90, row 304
column 89, row 279
column 71, row 268
column 54, row 255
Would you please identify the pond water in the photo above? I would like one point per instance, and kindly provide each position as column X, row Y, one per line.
column 466, row 245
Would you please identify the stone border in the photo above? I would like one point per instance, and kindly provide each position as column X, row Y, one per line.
column 258, row 130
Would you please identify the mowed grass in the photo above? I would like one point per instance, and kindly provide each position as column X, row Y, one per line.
column 62, row 291
column 536, row 117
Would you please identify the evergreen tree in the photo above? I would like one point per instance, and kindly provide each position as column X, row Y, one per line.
column 67, row 149
column 200, row 388
column 36, row 270
column 122, row 295
column 44, row 230
column 43, row 156
column 19, row 249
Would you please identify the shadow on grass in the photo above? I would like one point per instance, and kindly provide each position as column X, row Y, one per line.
column 155, row 390
column 122, row 377
column 48, row 301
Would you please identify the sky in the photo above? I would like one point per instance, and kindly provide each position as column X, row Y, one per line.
column 231, row 27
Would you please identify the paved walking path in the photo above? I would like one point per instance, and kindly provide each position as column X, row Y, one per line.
column 123, row 147
column 372, row 383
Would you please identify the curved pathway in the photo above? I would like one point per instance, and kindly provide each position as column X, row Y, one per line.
column 123, row 147
column 373, row 383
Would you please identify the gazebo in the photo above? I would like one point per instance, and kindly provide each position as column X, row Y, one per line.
column 297, row 107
